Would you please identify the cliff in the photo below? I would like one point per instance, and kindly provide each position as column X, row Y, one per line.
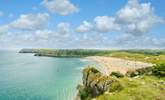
column 95, row 84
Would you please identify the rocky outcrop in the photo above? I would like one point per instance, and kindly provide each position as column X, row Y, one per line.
column 95, row 83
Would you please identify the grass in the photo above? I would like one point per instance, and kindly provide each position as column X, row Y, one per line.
column 141, row 88
column 155, row 59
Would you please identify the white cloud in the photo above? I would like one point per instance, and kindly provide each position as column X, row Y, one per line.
column 30, row 21
column 133, row 18
column 105, row 24
column 4, row 29
column 62, row 7
column 84, row 27
column 139, row 42
column 43, row 34
column 63, row 28
column 137, row 18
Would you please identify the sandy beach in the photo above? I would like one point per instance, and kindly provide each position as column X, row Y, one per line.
column 111, row 64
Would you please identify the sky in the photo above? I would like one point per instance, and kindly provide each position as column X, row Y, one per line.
column 105, row 24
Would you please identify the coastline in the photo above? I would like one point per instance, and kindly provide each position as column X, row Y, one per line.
column 110, row 64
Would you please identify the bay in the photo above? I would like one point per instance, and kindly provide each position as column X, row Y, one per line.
column 27, row 77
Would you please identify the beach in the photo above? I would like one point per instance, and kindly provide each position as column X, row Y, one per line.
column 110, row 64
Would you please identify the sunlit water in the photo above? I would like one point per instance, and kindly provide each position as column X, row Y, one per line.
column 27, row 77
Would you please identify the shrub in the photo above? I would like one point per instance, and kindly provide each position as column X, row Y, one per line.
column 159, row 70
column 141, row 71
column 117, row 74
column 115, row 86
column 82, row 92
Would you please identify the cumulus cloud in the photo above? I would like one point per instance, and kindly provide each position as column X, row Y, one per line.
column 30, row 21
column 138, row 42
column 85, row 26
column 133, row 18
column 137, row 18
column 38, row 38
column 43, row 34
column 131, row 22
column 3, row 29
column 63, row 28
column 62, row 7
column 105, row 24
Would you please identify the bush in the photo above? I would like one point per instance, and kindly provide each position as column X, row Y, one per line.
column 141, row 71
column 115, row 86
column 82, row 92
column 132, row 73
column 117, row 74
column 159, row 70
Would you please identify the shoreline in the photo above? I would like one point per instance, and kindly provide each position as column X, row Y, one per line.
column 110, row 64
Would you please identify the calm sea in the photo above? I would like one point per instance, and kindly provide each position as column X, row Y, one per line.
column 27, row 77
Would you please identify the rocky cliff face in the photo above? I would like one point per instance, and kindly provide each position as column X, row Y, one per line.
column 95, row 83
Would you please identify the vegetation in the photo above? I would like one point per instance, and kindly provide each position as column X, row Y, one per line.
column 159, row 70
column 95, row 84
column 156, row 70
column 117, row 74
column 66, row 52
column 136, row 85
column 140, row 88
column 144, row 57
column 151, row 56
column 141, row 71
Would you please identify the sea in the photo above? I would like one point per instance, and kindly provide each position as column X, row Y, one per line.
column 29, row 77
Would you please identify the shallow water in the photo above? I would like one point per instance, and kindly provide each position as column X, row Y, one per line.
column 27, row 77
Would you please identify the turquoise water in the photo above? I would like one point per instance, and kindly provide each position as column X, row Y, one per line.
column 26, row 77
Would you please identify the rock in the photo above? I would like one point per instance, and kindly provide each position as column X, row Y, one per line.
column 96, row 83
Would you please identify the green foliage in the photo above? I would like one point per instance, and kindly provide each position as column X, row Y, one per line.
column 141, row 71
column 83, row 93
column 131, row 73
column 142, row 88
column 117, row 74
column 115, row 86
column 159, row 70
column 150, row 56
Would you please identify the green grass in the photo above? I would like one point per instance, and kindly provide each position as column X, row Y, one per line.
column 155, row 59
column 141, row 88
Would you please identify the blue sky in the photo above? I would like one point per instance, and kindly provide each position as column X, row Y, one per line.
column 114, row 24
